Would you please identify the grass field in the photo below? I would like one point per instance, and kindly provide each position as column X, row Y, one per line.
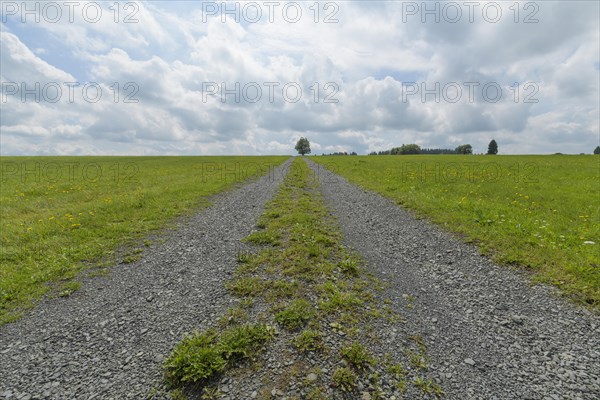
column 60, row 215
column 541, row 212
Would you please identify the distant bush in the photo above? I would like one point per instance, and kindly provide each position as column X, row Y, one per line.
column 407, row 149
column 464, row 149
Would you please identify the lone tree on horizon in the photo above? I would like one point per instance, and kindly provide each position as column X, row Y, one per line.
column 493, row 147
column 303, row 146
column 597, row 150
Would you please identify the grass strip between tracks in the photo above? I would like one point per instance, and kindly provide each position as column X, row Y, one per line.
column 302, row 296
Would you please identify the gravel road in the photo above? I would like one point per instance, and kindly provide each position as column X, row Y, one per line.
column 490, row 334
column 108, row 340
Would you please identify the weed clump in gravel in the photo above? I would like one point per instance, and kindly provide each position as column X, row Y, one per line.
column 263, row 238
column 246, row 286
column 344, row 379
column 357, row 355
column 205, row 354
column 295, row 315
column 309, row 340
column 349, row 267
column 427, row 386
column 334, row 299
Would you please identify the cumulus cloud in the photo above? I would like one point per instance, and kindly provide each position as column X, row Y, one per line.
column 181, row 78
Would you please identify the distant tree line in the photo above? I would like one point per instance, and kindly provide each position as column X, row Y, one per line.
column 341, row 153
column 437, row 151
column 303, row 147
column 416, row 149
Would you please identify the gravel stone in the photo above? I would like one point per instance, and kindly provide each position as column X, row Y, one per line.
column 311, row 377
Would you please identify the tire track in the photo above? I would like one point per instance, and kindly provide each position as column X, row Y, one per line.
column 490, row 333
column 109, row 339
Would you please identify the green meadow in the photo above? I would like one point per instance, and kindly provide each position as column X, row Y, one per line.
column 60, row 215
column 536, row 212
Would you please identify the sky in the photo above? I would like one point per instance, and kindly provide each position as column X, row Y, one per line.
column 216, row 78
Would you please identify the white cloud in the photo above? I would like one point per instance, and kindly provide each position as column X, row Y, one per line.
column 370, row 55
